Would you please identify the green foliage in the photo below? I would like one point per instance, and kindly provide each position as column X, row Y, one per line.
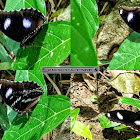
column 78, row 127
column 130, row 101
column 3, row 118
column 105, row 123
column 134, row 139
column 46, row 115
column 55, row 48
column 84, row 21
column 50, row 47
column 82, row 130
column 74, row 113
column 128, row 55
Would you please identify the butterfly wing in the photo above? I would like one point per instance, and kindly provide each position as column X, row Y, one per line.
column 20, row 25
column 125, row 117
column 131, row 16
column 20, row 95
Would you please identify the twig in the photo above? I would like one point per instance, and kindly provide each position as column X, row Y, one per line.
column 54, row 85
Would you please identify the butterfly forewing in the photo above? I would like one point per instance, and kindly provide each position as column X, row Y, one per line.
column 125, row 117
column 131, row 16
column 20, row 95
column 21, row 25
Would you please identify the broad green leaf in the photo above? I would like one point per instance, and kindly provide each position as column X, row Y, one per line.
column 47, row 115
column 82, row 130
column 89, row 10
column 19, row 4
column 128, row 55
column 4, row 56
column 4, row 123
column 128, row 82
column 50, row 48
column 82, row 50
column 74, row 113
column 105, row 123
column 130, row 101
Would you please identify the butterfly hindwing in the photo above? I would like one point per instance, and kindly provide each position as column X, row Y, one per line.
column 20, row 95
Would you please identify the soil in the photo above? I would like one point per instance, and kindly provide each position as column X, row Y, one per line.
column 90, row 112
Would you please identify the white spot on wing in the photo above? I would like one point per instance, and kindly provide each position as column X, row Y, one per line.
column 108, row 115
column 130, row 16
column 24, row 90
column 7, row 23
column 27, row 23
column 8, row 92
column 137, row 122
column 121, row 11
column 120, row 117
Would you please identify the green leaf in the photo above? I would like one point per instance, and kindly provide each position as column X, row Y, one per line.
column 89, row 9
column 128, row 55
column 3, row 118
column 123, row 128
column 134, row 139
column 74, row 113
column 130, row 101
column 82, row 130
column 50, row 48
column 82, row 50
column 47, row 115
column 19, row 4
column 11, row 114
column 11, row 45
column 4, row 56
column 106, row 123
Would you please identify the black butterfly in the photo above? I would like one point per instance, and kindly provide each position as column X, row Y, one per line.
column 20, row 96
column 131, row 15
column 22, row 25
column 125, row 117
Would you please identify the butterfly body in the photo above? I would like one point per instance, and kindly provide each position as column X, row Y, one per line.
column 131, row 16
column 20, row 96
column 22, row 25
column 125, row 117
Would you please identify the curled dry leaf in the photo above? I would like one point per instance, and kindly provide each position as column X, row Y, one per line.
column 128, row 82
